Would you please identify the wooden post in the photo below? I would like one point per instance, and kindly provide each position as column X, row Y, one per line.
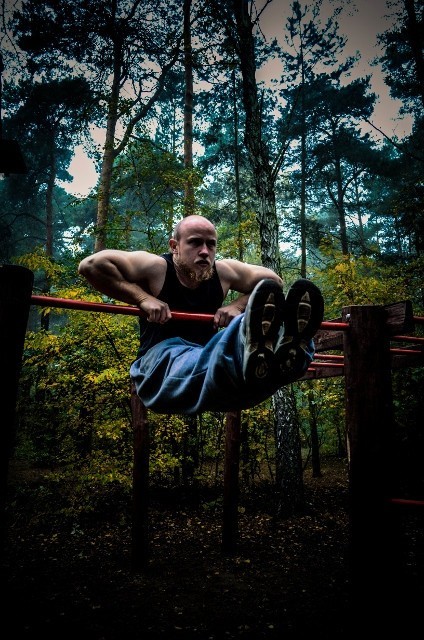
column 15, row 300
column 231, row 481
column 369, row 424
column 140, row 525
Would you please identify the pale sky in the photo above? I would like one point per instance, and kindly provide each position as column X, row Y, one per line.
column 360, row 22
column 361, row 27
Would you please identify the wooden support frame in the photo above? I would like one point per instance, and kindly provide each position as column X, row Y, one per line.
column 15, row 300
column 231, row 482
column 140, row 497
column 140, row 526
column 365, row 340
column 369, row 426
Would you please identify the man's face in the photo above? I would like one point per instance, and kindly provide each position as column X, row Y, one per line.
column 194, row 253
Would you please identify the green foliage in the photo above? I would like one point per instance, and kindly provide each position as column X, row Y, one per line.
column 74, row 388
column 102, row 485
column 243, row 235
column 350, row 280
column 39, row 261
column 408, row 403
column 167, row 436
column 258, row 444
column 323, row 401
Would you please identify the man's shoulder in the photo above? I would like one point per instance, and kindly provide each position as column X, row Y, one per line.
column 147, row 265
column 145, row 257
column 228, row 263
column 229, row 266
column 229, row 270
column 142, row 254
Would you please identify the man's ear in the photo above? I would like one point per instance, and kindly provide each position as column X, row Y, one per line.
column 173, row 245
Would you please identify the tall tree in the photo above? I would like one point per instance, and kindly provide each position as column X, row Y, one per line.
column 53, row 115
column 254, row 140
column 125, row 50
column 403, row 62
column 188, row 109
column 338, row 112
column 240, row 21
column 220, row 135
column 48, row 117
column 309, row 44
column 403, row 58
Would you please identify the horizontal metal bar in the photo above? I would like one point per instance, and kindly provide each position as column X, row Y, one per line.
column 84, row 305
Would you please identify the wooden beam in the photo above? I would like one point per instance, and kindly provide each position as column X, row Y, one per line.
column 15, row 294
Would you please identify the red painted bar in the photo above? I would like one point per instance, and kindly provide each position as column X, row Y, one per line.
column 84, row 305
column 327, row 365
column 403, row 351
column 407, row 338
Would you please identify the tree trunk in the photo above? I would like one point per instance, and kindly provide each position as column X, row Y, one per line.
column 49, row 202
column 240, row 244
column 315, row 457
column 289, row 458
column 45, row 317
column 287, row 432
column 245, row 451
column 109, row 155
column 110, row 152
column 190, row 457
column 303, row 175
column 340, row 209
column 188, row 112
column 360, row 222
column 257, row 148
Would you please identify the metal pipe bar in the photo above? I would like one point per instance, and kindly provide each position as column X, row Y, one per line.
column 84, row 305
column 407, row 339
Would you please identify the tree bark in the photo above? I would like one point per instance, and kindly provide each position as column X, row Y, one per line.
column 109, row 155
column 289, row 463
column 257, row 148
column 188, row 112
column 240, row 244
column 286, row 430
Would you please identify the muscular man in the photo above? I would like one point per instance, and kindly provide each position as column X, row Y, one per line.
column 254, row 345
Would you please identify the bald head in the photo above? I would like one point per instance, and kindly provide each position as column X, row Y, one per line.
column 193, row 224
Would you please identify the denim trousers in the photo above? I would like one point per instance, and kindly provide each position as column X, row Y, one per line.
column 177, row 376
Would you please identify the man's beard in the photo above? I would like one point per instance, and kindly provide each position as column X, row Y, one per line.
column 194, row 276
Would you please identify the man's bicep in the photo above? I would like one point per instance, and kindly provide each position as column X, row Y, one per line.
column 243, row 277
column 147, row 270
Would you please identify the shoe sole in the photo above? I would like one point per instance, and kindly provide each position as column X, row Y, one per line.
column 263, row 321
column 304, row 310
column 303, row 316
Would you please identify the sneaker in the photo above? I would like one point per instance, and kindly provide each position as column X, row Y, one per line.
column 262, row 322
column 304, row 312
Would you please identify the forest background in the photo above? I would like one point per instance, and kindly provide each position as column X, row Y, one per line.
column 295, row 173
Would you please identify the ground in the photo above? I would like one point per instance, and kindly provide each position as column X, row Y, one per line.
column 287, row 579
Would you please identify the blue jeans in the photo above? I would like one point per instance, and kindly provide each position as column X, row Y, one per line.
column 177, row 376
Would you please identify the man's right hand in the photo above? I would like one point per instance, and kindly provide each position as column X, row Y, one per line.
column 155, row 310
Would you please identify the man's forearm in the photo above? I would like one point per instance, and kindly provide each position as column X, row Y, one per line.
column 241, row 302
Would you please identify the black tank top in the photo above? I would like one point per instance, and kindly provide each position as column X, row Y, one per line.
column 206, row 298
